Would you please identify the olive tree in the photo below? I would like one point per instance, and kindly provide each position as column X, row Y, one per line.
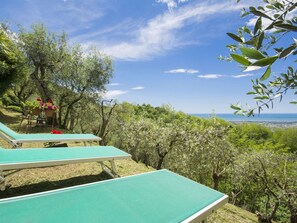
column 264, row 44
column 83, row 75
column 11, row 61
column 212, row 155
column 264, row 181
column 45, row 53
column 64, row 72
column 106, row 112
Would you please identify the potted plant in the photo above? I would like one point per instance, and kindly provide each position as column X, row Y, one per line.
column 33, row 107
column 45, row 110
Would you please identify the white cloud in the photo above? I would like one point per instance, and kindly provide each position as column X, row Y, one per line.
column 242, row 75
column 181, row 70
column 215, row 76
column 211, row 76
column 114, row 84
column 113, row 94
column 159, row 34
column 170, row 3
column 138, row 88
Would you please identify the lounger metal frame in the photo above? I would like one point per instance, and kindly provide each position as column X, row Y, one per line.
column 17, row 143
column 112, row 171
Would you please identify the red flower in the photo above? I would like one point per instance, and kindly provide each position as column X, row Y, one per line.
column 56, row 132
column 38, row 99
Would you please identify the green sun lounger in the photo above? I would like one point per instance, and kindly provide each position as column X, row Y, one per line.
column 12, row 159
column 16, row 139
column 159, row 196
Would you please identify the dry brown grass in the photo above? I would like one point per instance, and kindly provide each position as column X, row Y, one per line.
column 35, row 180
column 230, row 213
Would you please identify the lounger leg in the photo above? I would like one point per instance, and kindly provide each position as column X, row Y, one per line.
column 111, row 172
column 85, row 144
column 2, row 181
column 17, row 145
column 113, row 167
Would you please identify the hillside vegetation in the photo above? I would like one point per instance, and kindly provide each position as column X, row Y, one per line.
column 35, row 180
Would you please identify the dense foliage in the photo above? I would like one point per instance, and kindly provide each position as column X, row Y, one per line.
column 264, row 44
column 55, row 70
column 255, row 165
column 11, row 60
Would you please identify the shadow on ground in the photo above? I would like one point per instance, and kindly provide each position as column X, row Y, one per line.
column 7, row 119
column 51, row 185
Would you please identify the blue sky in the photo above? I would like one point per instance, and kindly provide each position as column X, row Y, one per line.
column 163, row 51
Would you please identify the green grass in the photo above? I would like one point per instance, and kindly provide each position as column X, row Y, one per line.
column 35, row 180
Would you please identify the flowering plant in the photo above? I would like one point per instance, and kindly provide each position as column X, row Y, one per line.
column 39, row 104
column 48, row 106
column 54, row 131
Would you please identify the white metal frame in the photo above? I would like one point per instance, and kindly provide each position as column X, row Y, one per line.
column 201, row 216
column 14, row 166
column 8, row 139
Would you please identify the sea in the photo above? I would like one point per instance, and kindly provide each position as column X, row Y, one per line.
column 273, row 119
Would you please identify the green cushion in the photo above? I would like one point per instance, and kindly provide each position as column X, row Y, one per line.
column 159, row 196
column 8, row 131
column 20, row 156
column 45, row 137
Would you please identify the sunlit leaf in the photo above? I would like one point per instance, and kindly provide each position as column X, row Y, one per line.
column 240, row 59
column 251, row 42
column 270, row 7
column 266, row 74
column 286, row 52
column 251, row 53
column 261, row 97
column 251, row 92
column 252, row 68
column 260, row 8
column 277, row 95
column 272, row 24
column 258, row 13
column 287, row 27
column 236, row 38
column 258, row 25
column 235, row 107
column 266, row 61
column 260, row 40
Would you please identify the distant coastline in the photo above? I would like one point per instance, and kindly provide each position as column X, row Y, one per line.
column 282, row 120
